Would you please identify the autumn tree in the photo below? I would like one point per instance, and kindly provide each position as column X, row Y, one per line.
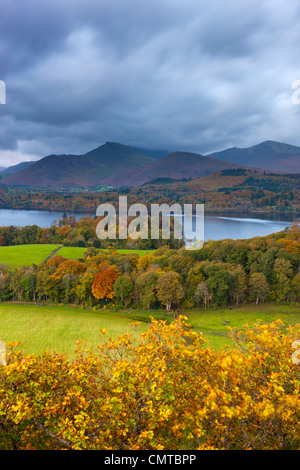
column 5, row 282
column 103, row 283
column 84, row 286
column 169, row 289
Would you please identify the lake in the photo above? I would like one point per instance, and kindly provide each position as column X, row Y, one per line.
column 238, row 227
column 216, row 226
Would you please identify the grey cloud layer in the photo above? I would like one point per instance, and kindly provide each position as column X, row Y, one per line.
column 172, row 74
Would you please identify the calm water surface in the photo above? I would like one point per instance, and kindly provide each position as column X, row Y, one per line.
column 216, row 226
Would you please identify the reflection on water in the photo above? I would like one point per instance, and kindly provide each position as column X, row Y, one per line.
column 222, row 226
column 216, row 227
column 43, row 219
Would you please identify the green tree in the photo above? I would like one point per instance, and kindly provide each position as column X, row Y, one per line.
column 283, row 274
column 218, row 281
column 239, row 287
column 296, row 286
column 203, row 293
column 145, row 289
column 258, row 287
column 123, row 289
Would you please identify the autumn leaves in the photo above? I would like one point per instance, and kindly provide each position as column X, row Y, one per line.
column 164, row 390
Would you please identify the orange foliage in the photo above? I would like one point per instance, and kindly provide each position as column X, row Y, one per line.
column 103, row 284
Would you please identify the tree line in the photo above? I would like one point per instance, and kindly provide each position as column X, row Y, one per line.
column 222, row 273
column 82, row 233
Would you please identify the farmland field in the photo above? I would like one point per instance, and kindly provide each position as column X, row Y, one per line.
column 138, row 252
column 25, row 255
column 71, row 252
column 210, row 323
column 58, row 327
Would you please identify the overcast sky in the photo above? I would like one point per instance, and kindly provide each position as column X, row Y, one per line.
column 195, row 75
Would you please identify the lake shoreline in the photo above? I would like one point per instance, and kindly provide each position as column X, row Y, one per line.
column 210, row 211
column 217, row 225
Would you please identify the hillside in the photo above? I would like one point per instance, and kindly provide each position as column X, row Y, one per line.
column 113, row 164
column 82, row 171
column 230, row 189
column 227, row 180
column 272, row 156
column 149, row 152
column 176, row 165
column 5, row 172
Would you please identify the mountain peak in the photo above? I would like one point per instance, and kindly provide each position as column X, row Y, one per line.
column 117, row 165
column 268, row 155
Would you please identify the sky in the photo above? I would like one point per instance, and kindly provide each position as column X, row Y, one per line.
column 193, row 75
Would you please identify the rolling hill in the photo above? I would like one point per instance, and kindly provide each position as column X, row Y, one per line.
column 5, row 172
column 176, row 165
column 113, row 164
column 269, row 155
column 82, row 171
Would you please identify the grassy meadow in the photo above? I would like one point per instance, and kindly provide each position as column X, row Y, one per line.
column 58, row 327
column 73, row 252
column 27, row 255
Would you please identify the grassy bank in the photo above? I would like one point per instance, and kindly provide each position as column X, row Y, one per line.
column 57, row 328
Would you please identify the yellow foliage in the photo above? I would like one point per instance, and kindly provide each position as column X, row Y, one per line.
column 166, row 389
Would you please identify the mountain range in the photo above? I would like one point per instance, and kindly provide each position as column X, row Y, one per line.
column 269, row 155
column 115, row 164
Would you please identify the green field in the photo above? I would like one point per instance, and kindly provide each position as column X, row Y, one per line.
column 71, row 252
column 25, row 255
column 57, row 328
column 138, row 252
column 211, row 323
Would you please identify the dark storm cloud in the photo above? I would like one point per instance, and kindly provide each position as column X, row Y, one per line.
column 193, row 75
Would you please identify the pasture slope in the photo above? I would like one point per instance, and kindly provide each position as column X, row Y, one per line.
column 27, row 255
column 59, row 327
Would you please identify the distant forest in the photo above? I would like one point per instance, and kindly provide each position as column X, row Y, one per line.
column 227, row 190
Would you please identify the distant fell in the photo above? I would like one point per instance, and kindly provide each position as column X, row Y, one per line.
column 80, row 171
column 15, row 168
column 149, row 152
column 115, row 164
column 269, row 155
column 176, row 165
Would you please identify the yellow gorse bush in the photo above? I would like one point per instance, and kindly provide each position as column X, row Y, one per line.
column 168, row 389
